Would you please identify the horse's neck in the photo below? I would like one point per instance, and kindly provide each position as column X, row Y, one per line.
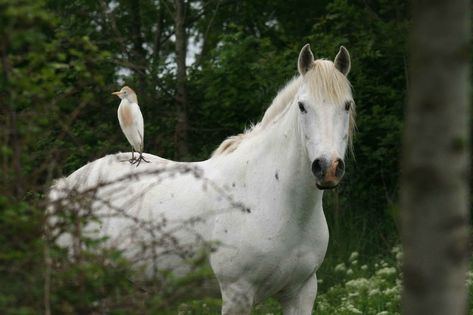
column 281, row 155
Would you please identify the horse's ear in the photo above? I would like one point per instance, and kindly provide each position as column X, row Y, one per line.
column 306, row 58
column 342, row 61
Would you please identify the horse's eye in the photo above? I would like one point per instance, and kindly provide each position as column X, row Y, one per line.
column 301, row 107
column 347, row 105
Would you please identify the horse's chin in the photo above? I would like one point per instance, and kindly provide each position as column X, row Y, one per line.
column 326, row 186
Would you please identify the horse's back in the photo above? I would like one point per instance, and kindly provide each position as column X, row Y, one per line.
column 156, row 211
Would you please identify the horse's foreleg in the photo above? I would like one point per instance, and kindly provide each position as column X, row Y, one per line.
column 300, row 301
column 237, row 299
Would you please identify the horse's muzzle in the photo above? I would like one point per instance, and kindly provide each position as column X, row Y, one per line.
column 328, row 173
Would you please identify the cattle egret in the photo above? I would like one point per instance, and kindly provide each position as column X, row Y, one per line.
column 131, row 122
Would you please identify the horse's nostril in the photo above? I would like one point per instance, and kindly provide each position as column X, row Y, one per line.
column 324, row 169
column 318, row 168
column 340, row 168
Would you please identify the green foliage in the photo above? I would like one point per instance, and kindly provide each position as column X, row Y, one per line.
column 355, row 285
column 236, row 84
column 370, row 288
column 60, row 60
column 20, row 243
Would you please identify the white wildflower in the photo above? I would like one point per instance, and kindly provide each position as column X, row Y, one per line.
column 374, row 292
column 340, row 267
column 386, row 271
column 353, row 309
column 397, row 251
column 391, row 291
column 359, row 283
column 353, row 256
column 469, row 278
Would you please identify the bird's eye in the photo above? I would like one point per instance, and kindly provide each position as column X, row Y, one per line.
column 301, row 107
column 347, row 105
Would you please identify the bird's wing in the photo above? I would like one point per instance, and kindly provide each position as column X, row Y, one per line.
column 138, row 123
column 129, row 117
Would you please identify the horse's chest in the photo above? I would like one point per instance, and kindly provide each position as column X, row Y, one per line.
column 272, row 251
column 293, row 261
column 273, row 264
column 288, row 267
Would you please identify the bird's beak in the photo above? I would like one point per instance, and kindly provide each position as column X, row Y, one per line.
column 116, row 93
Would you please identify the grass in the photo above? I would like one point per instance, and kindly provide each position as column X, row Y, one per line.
column 357, row 288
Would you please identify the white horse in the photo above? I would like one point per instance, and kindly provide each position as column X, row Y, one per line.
column 258, row 198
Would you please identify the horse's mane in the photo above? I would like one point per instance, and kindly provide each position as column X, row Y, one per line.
column 324, row 81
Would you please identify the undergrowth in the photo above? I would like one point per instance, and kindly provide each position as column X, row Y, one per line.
column 368, row 288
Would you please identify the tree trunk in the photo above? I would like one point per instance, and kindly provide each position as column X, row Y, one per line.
column 435, row 169
column 157, row 39
column 157, row 52
column 138, row 52
column 12, row 133
column 210, row 10
column 182, row 125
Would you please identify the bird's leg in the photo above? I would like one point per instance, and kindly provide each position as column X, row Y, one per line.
column 132, row 157
column 133, row 160
column 139, row 159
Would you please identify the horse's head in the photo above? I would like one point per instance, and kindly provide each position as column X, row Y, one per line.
column 326, row 114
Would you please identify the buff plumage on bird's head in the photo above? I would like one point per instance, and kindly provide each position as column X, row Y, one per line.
column 128, row 93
